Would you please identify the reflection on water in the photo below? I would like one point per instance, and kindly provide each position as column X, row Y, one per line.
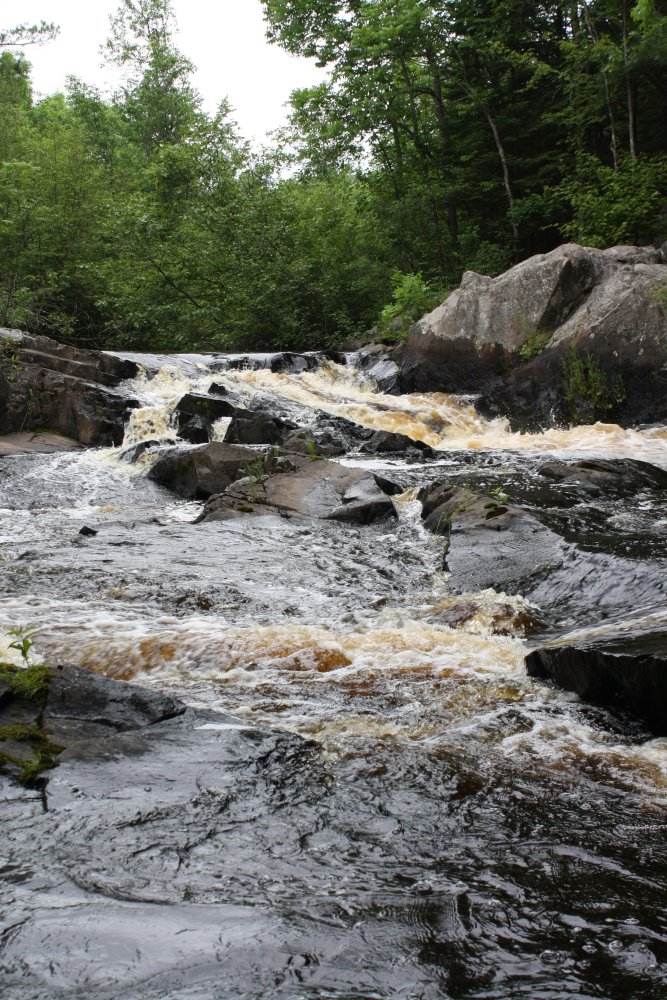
column 463, row 831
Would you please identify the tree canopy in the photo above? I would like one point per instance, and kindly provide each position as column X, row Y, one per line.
column 450, row 135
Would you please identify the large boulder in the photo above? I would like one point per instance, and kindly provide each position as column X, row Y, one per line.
column 625, row 671
column 572, row 302
column 305, row 488
column 68, row 390
column 199, row 472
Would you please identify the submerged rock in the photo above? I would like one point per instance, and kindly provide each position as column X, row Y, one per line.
column 626, row 672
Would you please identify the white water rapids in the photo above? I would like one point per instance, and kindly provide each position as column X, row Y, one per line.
column 346, row 635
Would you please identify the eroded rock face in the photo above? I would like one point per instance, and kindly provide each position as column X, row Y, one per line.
column 74, row 392
column 606, row 302
column 624, row 672
column 199, row 472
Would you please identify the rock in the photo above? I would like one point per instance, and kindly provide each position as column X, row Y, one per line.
column 364, row 511
column 195, row 429
column 257, row 428
column 196, row 412
column 382, row 442
column 602, row 302
column 308, row 489
column 36, row 442
column 281, row 361
column 377, row 364
column 71, row 391
column 489, row 543
column 199, row 472
column 626, row 672
column 5, row 692
column 600, row 477
column 307, row 442
column 82, row 706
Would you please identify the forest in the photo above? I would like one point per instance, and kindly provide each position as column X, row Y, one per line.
column 450, row 135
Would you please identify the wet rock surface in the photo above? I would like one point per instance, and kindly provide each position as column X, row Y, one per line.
column 489, row 542
column 303, row 487
column 442, row 826
column 199, row 472
column 625, row 671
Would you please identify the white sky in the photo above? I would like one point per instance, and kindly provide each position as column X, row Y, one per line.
column 225, row 39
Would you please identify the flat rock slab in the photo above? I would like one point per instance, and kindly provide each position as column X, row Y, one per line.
column 626, row 672
column 82, row 705
column 36, row 442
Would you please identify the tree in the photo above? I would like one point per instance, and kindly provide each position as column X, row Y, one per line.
column 27, row 34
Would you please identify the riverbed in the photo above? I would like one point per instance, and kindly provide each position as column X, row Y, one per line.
column 438, row 824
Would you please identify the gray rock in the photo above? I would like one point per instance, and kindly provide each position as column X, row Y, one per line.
column 383, row 442
column 489, row 543
column 71, row 391
column 82, row 706
column 199, row 472
column 602, row 302
column 307, row 488
column 258, row 428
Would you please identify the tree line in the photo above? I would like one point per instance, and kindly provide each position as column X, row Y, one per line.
column 449, row 135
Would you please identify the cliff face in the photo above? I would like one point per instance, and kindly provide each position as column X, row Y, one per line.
column 511, row 338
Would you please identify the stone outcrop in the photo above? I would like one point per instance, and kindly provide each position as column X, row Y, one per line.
column 68, row 390
column 606, row 303
column 488, row 541
column 199, row 472
column 302, row 487
column 626, row 672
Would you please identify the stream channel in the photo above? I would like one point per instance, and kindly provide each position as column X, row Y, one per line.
column 403, row 813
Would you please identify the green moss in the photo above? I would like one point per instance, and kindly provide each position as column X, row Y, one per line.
column 30, row 683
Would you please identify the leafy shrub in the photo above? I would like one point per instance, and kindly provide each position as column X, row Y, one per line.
column 411, row 298
column 586, row 390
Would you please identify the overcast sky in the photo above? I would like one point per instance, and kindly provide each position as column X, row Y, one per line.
column 223, row 38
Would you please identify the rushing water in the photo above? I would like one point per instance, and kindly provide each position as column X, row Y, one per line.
column 462, row 831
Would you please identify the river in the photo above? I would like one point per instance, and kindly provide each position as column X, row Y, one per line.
column 458, row 830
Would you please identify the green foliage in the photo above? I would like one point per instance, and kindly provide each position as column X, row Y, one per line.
column 312, row 452
column 31, row 682
column 411, row 298
column 612, row 207
column 448, row 136
column 587, row 392
column 29, row 685
column 534, row 344
column 23, row 640
column 658, row 294
column 10, row 359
